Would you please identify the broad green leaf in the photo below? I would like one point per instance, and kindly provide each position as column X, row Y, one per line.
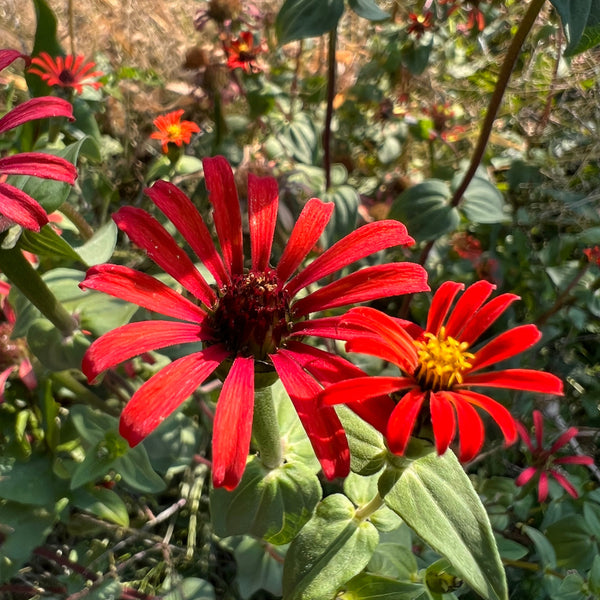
column 48, row 243
column 581, row 23
column 299, row 138
column 343, row 219
column 330, row 549
column 437, row 500
column 299, row 19
column 594, row 576
column 510, row 549
column 482, row 202
column 591, row 514
column 543, row 547
column 103, row 503
column 572, row 587
column 190, row 588
column 137, row 472
column 100, row 247
column 415, row 55
column 187, row 165
column 394, row 561
column 575, row 545
column 368, row 10
column 374, row 587
column 425, row 210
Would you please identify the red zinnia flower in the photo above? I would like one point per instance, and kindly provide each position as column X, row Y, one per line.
column 172, row 129
column 544, row 463
column 66, row 72
column 439, row 367
column 593, row 255
column 249, row 320
column 242, row 53
column 419, row 24
column 15, row 205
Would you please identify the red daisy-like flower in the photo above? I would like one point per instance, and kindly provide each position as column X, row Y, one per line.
column 171, row 129
column 419, row 24
column 544, row 462
column 242, row 53
column 251, row 321
column 593, row 255
column 440, row 367
column 15, row 205
column 67, row 72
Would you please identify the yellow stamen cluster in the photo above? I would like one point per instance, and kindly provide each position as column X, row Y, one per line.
column 174, row 131
column 442, row 361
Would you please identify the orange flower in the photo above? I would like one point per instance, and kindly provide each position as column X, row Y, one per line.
column 419, row 24
column 67, row 72
column 242, row 53
column 172, row 129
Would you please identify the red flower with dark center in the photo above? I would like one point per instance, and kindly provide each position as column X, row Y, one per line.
column 544, row 461
column 66, row 72
column 249, row 319
column 419, row 24
column 440, row 367
column 15, row 205
column 171, row 129
column 242, row 53
column 593, row 255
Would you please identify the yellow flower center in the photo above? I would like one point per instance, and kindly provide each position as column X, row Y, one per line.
column 174, row 131
column 442, row 361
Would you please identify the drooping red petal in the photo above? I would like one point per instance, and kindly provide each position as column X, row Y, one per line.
column 263, row 201
column 538, row 424
column 141, row 289
column 321, row 423
column 180, row 210
column 232, row 427
column 486, row 316
column 362, row 242
column 8, row 56
column 442, row 420
column 440, row 305
column 133, row 339
column 367, row 284
column 526, row 476
column 470, row 427
column 526, row 380
column 156, row 399
column 563, row 439
column 228, row 219
column 524, row 436
column 36, row 108
column 467, row 306
column 403, row 419
column 147, row 233
column 543, row 486
column 507, row 344
column 565, row 483
column 306, row 232
column 39, row 164
column 20, row 208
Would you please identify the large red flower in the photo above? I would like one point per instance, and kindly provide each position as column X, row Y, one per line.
column 440, row 367
column 15, row 205
column 249, row 319
column 66, row 72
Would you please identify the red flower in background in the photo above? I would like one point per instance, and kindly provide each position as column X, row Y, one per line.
column 475, row 16
column 439, row 367
column 66, row 72
column 249, row 320
column 419, row 24
column 171, row 129
column 242, row 53
column 15, row 205
column 593, row 255
column 544, row 462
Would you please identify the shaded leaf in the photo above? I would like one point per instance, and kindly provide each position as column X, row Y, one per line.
column 299, row 19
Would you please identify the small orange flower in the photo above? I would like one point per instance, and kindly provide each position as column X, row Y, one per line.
column 172, row 129
column 67, row 72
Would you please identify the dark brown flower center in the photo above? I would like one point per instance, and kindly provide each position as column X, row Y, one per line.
column 66, row 76
column 253, row 314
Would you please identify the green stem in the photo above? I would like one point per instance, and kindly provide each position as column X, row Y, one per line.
column 373, row 505
column 505, row 72
column 20, row 272
column 265, row 429
column 331, row 74
column 84, row 395
column 73, row 215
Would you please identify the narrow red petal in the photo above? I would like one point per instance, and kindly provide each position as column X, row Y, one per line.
column 147, row 233
column 442, row 420
column 563, row 439
column 306, row 233
column 8, row 56
column 367, row 284
column 565, row 483
column 362, row 388
column 263, row 201
column 526, row 476
column 39, row 164
column 326, row 327
column 440, row 305
column 470, row 427
column 538, row 424
column 228, row 219
column 180, row 210
column 526, row 380
column 543, row 486
column 141, row 289
column 20, row 208
column 467, row 306
column 486, row 316
column 362, row 242
column 36, row 108
column 163, row 393
column 134, row 339
column 524, row 435
column 403, row 419
column 574, row 460
column 507, row 344
column 232, row 427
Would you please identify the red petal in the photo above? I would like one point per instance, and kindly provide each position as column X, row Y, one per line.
column 526, row 476
column 527, row 380
column 147, row 233
column 180, row 210
column 36, row 108
column 263, row 200
column 538, row 424
column 564, row 438
column 524, row 435
column 306, row 233
column 470, row 427
column 443, row 421
column 440, row 305
column 228, row 220
column 507, row 344
column 39, row 164
column 467, row 306
column 141, row 289
column 367, row 284
column 402, row 420
column 133, row 339
column 566, row 484
column 165, row 391
column 574, row 460
column 543, row 486
column 362, row 242
column 20, row 208
column 232, row 427
column 362, row 388
column 486, row 315
column 321, row 423
column 8, row 56
column 326, row 327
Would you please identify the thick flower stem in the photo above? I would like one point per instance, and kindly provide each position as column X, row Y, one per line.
column 20, row 272
column 265, row 429
column 373, row 505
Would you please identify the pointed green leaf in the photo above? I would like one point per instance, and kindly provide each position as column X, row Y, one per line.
column 100, row 247
column 581, row 23
column 374, row 587
column 103, row 503
column 48, row 243
column 299, row 19
column 482, row 201
column 368, row 10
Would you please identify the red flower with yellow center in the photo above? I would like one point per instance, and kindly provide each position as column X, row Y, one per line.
column 253, row 318
column 419, row 24
column 171, row 129
column 242, row 53
column 440, row 367
column 66, row 72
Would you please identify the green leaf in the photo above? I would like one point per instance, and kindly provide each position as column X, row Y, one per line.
column 415, row 55
column 99, row 248
column 591, row 514
column 425, row 210
column 581, row 23
column 573, row 542
column 299, row 138
column 137, row 472
column 390, row 150
column 572, row 587
column 187, row 165
column 300, row 19
column 543, row 547
column 48, row 243
column 437, row 500
column 190, row 588
column 331, row 548
column 394, row 561
column 594, row 576
column 374, row 587
column 103, row 503
column 482, row 202
column 368, row 10
column 343, row 219
column 269, row 504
